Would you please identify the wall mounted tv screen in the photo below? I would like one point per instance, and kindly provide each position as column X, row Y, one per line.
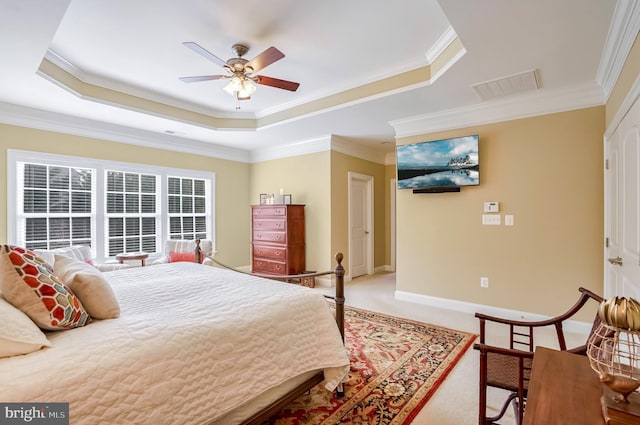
column 439, row 164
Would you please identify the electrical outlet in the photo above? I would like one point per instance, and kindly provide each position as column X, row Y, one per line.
column 484, row 282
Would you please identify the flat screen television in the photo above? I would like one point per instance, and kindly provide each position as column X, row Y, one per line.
column 439, row 164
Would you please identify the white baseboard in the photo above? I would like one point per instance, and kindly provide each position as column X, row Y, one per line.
column 581, row 328
column 326, row 281
column 385, row 268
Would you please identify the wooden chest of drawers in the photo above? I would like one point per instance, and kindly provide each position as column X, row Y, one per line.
column 278, row 239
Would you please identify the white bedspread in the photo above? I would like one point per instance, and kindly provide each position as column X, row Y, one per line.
column 192, row 343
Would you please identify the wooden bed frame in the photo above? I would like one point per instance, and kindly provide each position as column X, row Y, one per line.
column 277, row 406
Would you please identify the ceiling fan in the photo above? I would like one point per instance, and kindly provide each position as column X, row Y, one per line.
column 241, row 71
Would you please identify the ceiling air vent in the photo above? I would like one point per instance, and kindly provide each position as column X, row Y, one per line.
column 506, row 86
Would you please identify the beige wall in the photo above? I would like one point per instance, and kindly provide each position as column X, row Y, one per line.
column 341, row 165
column 232, row 178
column 306, row 178
column 628, row 76
column 320, row 181
column 548, row 172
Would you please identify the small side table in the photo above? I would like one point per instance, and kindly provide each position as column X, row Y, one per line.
column 127, row 256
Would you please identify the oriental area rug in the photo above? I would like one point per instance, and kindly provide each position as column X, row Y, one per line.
column 396, row 366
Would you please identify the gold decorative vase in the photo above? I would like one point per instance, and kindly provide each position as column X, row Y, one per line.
column 614, row 347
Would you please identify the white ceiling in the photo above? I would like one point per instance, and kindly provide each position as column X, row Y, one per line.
column 331, row 46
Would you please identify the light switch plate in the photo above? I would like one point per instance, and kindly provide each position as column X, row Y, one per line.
column 491, row 219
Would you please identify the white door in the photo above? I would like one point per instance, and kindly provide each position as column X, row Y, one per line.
column 360, row 225
column 622, row 197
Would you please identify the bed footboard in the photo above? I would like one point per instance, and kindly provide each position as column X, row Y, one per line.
column 339, row 299
column 339, row 293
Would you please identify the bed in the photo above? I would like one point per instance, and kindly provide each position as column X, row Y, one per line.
column 193, row 344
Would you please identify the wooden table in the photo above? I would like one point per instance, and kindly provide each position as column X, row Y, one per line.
column 563, row 390
column 127, row 256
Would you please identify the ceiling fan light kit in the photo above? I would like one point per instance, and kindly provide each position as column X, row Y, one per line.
column 241, row 84
column 240, row 87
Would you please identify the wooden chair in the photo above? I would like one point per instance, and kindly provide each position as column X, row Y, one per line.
column 510, row 368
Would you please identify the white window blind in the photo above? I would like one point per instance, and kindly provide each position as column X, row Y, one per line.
column 187, row 208
column 56, row 207
column 133, row 216
column 112, row 207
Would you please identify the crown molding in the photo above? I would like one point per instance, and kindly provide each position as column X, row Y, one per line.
column 102, row 83
column 443, row 42
column 632, row 96
column 55, row 66
column 447, row 37
column 51, row 121
column 304, row 147
column 120, row 99
column 540, row 102
column 625, row 25
column 321, row 144
column 448, row 65
column 105, row 83
column 60, row 123
column 63, row 75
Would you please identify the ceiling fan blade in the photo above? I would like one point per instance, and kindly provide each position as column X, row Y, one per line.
column 276, row 82
column 201, row 78
column 265, row 59
column 204, row 53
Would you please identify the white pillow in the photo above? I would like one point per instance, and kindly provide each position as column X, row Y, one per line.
column 18, row 333
column 79, row 252
column 88, row 284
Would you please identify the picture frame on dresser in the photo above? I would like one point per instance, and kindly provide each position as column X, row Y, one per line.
column 286, row 199
column 264, row 198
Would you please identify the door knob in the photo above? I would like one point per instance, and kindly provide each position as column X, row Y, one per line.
column 366, row 232
column 616, row 261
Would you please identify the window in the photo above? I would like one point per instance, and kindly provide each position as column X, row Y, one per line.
column 132, row 212
column 112, row 207
column 187, row 208
column 56, row 205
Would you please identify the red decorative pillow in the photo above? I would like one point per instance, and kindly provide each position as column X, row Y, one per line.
column 175, row 257
column 27, row 283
